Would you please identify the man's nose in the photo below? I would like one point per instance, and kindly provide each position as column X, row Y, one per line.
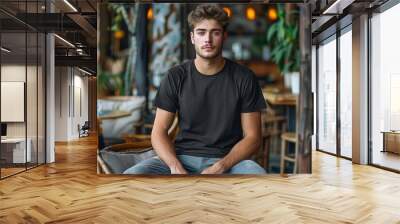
column 208, row 37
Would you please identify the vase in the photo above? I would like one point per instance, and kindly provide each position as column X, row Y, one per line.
column 295, row 82
column 287, row 80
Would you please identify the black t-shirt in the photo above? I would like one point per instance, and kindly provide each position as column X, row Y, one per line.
column 209, row 106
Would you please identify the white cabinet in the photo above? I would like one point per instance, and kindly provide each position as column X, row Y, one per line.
column 16, row 147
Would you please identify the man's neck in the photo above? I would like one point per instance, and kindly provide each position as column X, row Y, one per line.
column 209, row 67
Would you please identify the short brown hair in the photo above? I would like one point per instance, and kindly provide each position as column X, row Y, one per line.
column 208, row 11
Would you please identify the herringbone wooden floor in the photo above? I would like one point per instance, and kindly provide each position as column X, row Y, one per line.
column 70, row 191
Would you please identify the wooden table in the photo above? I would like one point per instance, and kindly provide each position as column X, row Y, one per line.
column 280, row 99
column 391, row 141
column 286, row 100
column 114, row 115
column 286, row 103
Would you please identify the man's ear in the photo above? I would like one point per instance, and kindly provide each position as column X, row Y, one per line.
column 225, row 35
column 192, row 37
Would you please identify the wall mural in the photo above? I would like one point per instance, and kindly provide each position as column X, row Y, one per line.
column 120, row 51
column 166, row 38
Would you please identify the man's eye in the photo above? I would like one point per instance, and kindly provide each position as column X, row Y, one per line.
column 200, row 33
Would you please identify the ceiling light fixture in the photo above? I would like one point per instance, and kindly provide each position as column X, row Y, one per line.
column 65, row 41
column 79, row 51
column 84, row 71
column 70, row 5
column 337, row 7
column 5, row 49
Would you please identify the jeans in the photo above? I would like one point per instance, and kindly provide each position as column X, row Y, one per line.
column 193, row 165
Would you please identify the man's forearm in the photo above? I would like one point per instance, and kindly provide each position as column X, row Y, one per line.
column 165, row 149
column 242, row 150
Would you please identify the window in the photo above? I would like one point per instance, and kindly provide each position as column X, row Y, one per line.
column 327, row 96
column 385, row 85
column 22, row 75
column 346, row 93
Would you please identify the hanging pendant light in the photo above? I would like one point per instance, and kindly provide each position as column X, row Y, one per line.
column 250, row 13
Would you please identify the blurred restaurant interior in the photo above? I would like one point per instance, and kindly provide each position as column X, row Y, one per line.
column 263, row 37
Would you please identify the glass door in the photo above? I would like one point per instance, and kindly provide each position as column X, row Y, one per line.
column 345, row 41
column 22, row 76
column 385, row 89
column 14, row 153
column 326, row 136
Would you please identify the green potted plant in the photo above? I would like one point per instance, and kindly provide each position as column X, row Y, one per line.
column 283, row 40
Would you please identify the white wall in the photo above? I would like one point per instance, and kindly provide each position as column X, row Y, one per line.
column 33, row 127
column 71, row 93
column 12, row 73
column 82, row 82
column 61, row 103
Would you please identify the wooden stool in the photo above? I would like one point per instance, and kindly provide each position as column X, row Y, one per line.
column 288, row 137
column 273, row 127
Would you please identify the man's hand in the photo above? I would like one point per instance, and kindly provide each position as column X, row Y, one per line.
column 162, row 143
column 216, row 168
column 178, row 169
column 250, row 143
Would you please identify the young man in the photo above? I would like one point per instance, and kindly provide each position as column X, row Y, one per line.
column 218, row 103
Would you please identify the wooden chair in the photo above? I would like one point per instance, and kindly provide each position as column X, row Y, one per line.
column 139, row 128
column 83, row 131
column 273, row 127
column 288, row 137
column 138, row 137
column 138, row 147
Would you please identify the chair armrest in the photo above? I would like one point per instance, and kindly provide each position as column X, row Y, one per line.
column 136, row 137
column 102, row 168
column 139, row 146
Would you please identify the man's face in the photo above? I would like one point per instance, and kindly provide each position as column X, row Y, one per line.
column 208, row 38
